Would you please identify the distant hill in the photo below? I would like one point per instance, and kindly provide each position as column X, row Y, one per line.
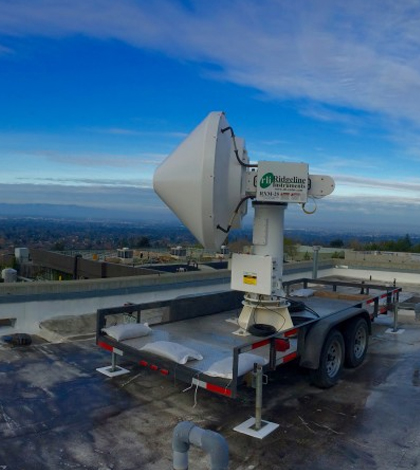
column 303, row 229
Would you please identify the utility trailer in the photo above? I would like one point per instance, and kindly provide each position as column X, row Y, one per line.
column 331, row 326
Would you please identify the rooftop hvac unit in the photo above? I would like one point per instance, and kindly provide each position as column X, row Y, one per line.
column 9, row 275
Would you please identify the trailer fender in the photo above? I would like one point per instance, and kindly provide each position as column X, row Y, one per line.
column 314, row 339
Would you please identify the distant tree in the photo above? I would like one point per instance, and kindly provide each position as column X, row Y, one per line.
column 337, row 243
column 59, row 246
column 401, row 245
column 290, row 248
column 142, row 242
column 356, row 245
column 405, row 243
column 375, row 246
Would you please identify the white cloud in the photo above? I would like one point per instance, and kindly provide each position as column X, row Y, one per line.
column 99, row 160
column 357, row 54
column 379, row 183
column 104, row 196
column 93, row 182
column 139, row 133
column 335, row 58
column 84, row 159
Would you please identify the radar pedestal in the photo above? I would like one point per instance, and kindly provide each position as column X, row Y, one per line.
column 260, row 274
column 263, row 311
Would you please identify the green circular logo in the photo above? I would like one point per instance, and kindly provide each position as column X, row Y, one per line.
column 266, row 180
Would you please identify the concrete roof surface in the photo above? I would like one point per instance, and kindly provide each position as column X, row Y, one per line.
column 58, row 412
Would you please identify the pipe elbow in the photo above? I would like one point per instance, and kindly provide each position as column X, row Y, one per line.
column 181, row 436
column 215, row 445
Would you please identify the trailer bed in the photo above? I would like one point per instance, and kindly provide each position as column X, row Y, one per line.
column 212, row 334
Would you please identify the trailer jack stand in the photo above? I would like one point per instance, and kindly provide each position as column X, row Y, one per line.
column 395, row 329
column 113, row 370
column 257, row 427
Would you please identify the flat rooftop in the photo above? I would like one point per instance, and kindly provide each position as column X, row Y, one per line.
column 58, row 412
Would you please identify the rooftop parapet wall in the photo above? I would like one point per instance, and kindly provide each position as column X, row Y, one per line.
column 108, row 284
column 84, row 268
column 383, row 260
column 24, row 306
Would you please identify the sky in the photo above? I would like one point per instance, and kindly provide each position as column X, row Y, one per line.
column 94, row 94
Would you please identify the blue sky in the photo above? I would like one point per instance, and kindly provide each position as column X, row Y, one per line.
column 94, row 94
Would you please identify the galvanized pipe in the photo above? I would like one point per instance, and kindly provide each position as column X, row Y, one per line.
column 258, row 396
column 187, row 433
column 113, row 361
column 316, row 249
column 395, row 317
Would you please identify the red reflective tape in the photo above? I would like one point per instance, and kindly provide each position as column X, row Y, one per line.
column 164, row 371
column 218, row 389
column 290, row 357
column 144, row 363
column 290, row 333
column 154, row 367
column 282, row 345
column 106, row 346
column 260, row 343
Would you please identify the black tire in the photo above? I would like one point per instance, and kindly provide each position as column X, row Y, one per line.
column 260, row 329
column 356, row 339
column 330, row 362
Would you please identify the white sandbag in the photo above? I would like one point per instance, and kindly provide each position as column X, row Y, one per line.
column 173, row 351
column 127, row 331
column 224, row 367
column 303, row 293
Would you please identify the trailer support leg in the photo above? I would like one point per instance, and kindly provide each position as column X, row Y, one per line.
column 395, row 328
column 113, row 370
column 257, row 427
column 395, row 317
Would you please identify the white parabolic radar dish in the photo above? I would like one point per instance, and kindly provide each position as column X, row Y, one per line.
column 203, row 181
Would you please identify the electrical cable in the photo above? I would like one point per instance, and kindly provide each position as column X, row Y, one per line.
column 261, row 329
column 306, row 307
column 235, row 213
column 247, row 165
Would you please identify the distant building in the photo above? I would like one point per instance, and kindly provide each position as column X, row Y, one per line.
column 9, row 275
column 178, row 252
column 22, row 255
column 125, row 255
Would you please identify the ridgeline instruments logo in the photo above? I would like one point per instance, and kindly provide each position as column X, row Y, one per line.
column 267, row 180
column 280, row 181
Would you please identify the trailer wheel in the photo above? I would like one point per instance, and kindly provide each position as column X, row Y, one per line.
column 356, row 338
column 330, row 362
